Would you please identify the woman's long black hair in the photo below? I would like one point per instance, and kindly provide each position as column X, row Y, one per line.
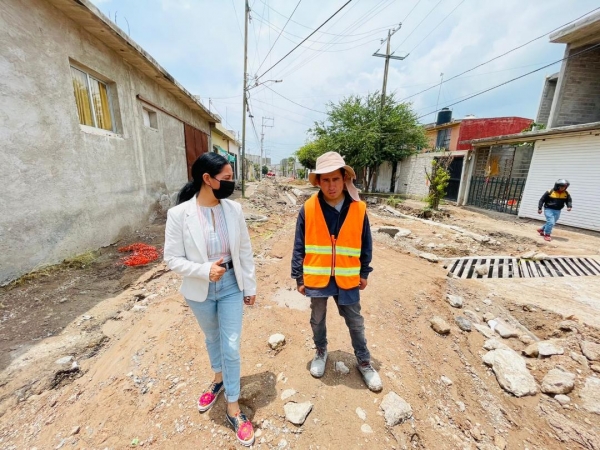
column 210, row 163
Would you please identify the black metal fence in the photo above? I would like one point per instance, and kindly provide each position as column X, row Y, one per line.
column 501, row 194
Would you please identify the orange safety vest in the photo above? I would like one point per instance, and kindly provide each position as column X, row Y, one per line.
column 326, row 255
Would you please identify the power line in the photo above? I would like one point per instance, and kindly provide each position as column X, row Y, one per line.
column 500, row 56
column 415, row 28
column 320, row 26
column 279, row 35
column 434, row 28
column 324, row 32
column 292, row 101
column 515, row 79
column 237, row 20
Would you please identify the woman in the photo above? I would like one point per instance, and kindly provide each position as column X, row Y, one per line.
column 207, row 242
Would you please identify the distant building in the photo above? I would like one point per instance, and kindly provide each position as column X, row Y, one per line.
column 96, row 135
column 569, row 147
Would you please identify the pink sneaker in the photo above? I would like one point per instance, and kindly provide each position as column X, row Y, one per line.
column 209, row 397
column 547, row 237
column 540, row 231
column 243, row 428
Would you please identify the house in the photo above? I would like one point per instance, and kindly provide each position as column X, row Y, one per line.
column 225, row 143
column 569, row 147
column 445, row 135
column 95, row 134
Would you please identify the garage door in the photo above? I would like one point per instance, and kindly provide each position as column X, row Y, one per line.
column 576, row 159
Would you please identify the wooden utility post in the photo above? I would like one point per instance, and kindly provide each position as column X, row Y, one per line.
column 387, row 57
column 245, row 98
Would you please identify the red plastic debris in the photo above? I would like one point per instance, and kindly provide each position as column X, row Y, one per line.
column 142, row 254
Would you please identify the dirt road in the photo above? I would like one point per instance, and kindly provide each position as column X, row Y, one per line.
column 138, row 359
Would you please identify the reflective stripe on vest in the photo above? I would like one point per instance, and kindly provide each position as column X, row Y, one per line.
column 326, row 255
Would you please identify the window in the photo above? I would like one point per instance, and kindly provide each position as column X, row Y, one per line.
column 93, row 100
column 150, row 118
column 443, row 138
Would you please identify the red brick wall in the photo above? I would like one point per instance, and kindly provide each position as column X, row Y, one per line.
column 481, row 128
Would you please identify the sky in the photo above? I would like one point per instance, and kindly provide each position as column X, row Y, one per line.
column 201, row 43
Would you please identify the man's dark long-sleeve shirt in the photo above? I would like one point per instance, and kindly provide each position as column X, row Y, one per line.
column 334, row 220
column 555, row 200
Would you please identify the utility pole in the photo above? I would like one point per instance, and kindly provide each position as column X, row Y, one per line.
column 245, row 97
column 387, row 57
column 262, row 140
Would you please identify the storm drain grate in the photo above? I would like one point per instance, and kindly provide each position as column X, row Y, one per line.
column 510, row 267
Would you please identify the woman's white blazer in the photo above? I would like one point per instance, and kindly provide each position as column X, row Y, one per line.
column 186, row 251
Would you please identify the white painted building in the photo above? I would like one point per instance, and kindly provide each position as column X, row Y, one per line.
column 94, row 133
column 570, row 146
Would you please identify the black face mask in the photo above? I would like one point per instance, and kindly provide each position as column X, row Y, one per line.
column 225, row 189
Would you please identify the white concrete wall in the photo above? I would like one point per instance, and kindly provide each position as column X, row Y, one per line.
column 66, row 190
column 412, row 180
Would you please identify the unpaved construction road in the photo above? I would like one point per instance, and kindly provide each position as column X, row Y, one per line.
column 106, row 357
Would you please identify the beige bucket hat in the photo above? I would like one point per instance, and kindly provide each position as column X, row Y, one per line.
column 330, row 162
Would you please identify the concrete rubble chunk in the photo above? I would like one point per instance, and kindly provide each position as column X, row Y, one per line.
column 287, row 394
column 439, row 325
column 543, row 349
column 463, row 323
column 482, row 269
column 296, row 413
column 562, row 399
column 505, row 330
column 456, row 301
column 447, row 381
column 365, row 428
column 276, row 341
column 579, row 359
column 528, row 255
column 511, row 372
column 341, row 368
column 568, row 325
column 486, row 331
column 472, row 316
column 590, row 395
column 429, row 257
column 402, row 232
column 539, row 257
column 395, row 409
column 590, row 350
column 494, row 344
column 558, row 381
column 361, row 413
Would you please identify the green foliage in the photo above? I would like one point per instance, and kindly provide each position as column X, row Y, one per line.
column 393, row 201
column 367, row 135
column 438, row 178
column 265, row 170
column 538, row 126
column 309, row 152
column 301, row 173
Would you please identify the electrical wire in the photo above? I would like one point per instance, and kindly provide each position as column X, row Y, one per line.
column 515, row 79
column 237, row 20
column 320, row 26
column 434, row 28
column 279, row 35
column 499, row 56
column 415, row 28
column 292, row 101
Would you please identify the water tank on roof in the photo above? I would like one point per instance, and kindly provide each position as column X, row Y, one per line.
column 469, row 116
column 444, row 116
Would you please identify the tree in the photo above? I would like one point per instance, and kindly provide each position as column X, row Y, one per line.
column 265, row 170
column 438, row 178
column 309, row 152
column 367, row 135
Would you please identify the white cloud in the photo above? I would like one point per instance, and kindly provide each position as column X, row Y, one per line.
column 199, row 42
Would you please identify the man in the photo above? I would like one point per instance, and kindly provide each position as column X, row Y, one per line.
column 332, row 253
column 553, row 202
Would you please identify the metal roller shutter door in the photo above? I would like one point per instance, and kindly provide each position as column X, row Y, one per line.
column 576, row 159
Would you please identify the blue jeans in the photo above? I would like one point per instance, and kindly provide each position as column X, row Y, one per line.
column 552, row 216
column 220, row 317
column 354, row 321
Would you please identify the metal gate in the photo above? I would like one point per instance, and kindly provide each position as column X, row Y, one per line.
column 499, row 177
column 498, row 194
